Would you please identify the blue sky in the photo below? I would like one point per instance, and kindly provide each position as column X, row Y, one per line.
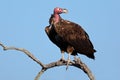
column 22, row 24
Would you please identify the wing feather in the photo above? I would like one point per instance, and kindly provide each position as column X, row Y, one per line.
column 74, row 35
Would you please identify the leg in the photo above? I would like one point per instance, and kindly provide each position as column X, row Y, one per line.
column 62, row 52
column 69, row 50
column 68, row 60
column 62, row 56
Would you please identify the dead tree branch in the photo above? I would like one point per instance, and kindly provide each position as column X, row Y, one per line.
column 76, row 63
column 24, row 51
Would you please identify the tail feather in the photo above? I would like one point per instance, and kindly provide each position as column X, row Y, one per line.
column 91, row 55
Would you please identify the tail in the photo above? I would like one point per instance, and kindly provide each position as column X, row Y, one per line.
column 91, row 55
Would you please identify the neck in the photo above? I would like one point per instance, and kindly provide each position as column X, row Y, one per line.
column 56, row 17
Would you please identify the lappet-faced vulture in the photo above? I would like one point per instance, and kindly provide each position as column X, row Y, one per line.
column 69, row 36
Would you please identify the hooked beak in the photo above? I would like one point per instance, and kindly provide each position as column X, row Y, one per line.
column 65, row 11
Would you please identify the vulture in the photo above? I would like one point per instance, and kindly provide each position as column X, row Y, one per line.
column 68, row 36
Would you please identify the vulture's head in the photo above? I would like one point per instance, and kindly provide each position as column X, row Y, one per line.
column 58, row 10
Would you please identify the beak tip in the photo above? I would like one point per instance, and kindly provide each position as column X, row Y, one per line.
column 65, row 11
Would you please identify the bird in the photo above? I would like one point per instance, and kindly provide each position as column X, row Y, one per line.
column 69, row 36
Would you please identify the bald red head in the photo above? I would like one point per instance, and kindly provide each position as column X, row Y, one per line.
column 58, row 10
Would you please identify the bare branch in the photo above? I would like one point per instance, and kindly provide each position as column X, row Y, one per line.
column 79, row 64
column 24, row 51
column 76, row 63
column 40, row 73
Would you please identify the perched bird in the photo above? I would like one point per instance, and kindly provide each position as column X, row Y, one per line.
column 68, row 36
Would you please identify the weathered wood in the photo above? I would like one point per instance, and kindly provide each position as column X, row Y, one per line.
column 76, row 63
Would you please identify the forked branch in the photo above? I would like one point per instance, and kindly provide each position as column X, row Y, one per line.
column 76, row 63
